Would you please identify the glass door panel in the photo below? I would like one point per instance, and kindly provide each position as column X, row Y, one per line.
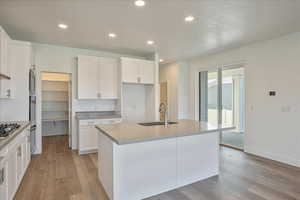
column 233, row 107
column 208, row 90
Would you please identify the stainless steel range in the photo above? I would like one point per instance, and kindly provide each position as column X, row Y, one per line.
column 8, row 128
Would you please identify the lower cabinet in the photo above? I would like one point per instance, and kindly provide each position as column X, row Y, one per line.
column 3, row 178
column 88, row 134
column 12, row 172
column 88, row 139
column 15, row 161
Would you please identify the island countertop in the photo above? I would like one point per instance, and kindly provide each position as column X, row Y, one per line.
column 126, row 133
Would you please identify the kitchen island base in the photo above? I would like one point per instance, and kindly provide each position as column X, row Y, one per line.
column 139, row 170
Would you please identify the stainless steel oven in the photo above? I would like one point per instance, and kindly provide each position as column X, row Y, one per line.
column 32, row 108
column 32, row 81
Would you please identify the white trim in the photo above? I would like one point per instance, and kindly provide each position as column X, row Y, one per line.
column 273, row 156
column 18, row 42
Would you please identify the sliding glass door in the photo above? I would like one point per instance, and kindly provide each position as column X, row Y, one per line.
column 233, row 107
column 221, row 100
column 208, row 89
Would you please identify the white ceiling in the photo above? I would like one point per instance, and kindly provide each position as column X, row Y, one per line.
column 220, row 24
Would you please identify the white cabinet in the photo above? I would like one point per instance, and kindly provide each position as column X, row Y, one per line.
column 97, row 78
column 3, row 178
column 5, row 90
column 147, row 72
column 28, row 150
column 12, row 172
column 137, row 71
column 130, row 70
column 16, row 161
column 88, row 134
column 108, row 78
column 88, row 139
column 20, row 155
column 87, row 77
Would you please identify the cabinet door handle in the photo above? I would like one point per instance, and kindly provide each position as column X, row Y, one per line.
column 139, row 79
column 2, row 176
column 8, row 93
column 19, row 152
column 99, row 95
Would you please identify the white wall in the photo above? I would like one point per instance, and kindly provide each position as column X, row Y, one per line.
column 49, row 58
column 183, row 90
column 17, row 108
column 177, row 77
column 272, row 123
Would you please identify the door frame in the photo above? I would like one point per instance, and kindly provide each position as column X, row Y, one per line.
column 39, row 135
column 220, row 101
column 219, row 69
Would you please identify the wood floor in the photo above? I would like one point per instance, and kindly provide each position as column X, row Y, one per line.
column 60, row 174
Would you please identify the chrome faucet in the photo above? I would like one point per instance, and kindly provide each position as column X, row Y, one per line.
column 163, row 109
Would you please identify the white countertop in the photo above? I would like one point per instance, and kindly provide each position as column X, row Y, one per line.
column 126, row 133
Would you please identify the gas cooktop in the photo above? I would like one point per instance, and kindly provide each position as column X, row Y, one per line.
column 8, row 128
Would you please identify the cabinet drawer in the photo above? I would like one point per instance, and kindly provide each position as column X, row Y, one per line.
column 99, row 121
column 110, row 121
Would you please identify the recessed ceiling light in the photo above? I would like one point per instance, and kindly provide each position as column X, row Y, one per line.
column 150, row 42
column 140, row 3
column 63, row 26
column 189, row 18
column 161, row 60
column 112, row 35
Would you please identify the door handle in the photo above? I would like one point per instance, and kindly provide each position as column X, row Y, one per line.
column 19, row 152
column 2, row 176
column 8, row 93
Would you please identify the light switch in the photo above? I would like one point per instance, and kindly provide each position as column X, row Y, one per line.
column 272, row 93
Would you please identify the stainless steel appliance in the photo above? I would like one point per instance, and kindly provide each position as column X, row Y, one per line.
column 32, row 108
column 32, row 81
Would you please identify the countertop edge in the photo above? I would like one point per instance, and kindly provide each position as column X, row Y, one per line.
column 15, row 134
column 154, row 139
column 99, row 117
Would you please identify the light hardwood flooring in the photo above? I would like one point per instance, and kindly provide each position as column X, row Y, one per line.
column 61, row 174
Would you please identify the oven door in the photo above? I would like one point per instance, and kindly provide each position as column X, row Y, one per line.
column 32, row 109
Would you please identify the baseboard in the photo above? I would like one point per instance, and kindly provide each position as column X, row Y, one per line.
column 83, row 152
column 55, row 134
column 272, row 156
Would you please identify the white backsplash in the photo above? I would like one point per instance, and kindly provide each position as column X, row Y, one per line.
column 94, row 105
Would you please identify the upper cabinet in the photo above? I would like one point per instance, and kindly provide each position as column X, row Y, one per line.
column 97, row 78
column 137, row 71
column 5, row 90
column 108, row 73
column 87, row 77
column 4, row 45
column 147, row 72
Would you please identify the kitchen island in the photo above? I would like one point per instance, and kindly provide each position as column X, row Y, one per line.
column 136, row 161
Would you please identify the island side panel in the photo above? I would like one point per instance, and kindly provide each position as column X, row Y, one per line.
column 105, row 163
column 145, row 169
column 198, row 157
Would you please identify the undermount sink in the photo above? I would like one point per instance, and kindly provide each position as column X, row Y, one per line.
column 156, row 123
